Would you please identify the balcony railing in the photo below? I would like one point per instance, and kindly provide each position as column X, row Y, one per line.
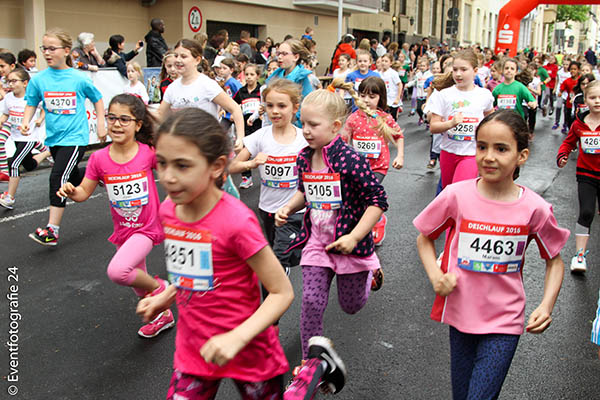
column 349, row 6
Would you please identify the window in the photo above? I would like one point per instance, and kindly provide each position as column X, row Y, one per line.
column 467, row 23
column 433, row 25
column 385, row 5
column 402, row 7
column 478, row 26
column 420, row 16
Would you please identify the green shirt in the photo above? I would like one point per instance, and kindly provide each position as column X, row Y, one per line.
column 543, row 74
column 511, row 96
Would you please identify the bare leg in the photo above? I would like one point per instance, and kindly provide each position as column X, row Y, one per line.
column 56, row 214
column 581, row 242
column 13, row 184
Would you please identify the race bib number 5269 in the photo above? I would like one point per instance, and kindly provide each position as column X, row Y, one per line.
column 490, row 247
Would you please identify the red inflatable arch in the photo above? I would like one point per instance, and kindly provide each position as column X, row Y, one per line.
column 509, row 21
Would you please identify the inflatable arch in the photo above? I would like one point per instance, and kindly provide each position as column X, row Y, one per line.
column 509, row 21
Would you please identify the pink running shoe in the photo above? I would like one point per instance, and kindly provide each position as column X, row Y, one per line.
column 163, row 322
column 162, row 285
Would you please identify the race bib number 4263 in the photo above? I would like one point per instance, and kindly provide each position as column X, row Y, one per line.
column 590, row 142
column 490, row 247
column 188, row 254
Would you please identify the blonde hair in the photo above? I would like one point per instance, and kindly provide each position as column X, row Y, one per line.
column 331, row 104
column 591, row 85
column 285, row 86
column 382, row 128
column 65, row 40
column 300, row 49
column 365, row 45
column 137, row 69
column 364, row 53
column 446, row 80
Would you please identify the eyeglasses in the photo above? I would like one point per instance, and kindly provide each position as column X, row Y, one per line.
column 11, row 81
column 123, row 119
column 282, row 53
column 51, row 49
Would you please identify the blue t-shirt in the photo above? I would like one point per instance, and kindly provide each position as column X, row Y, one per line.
column 63, row 93
column 357, row 77
column 231, row 87
column 428, row 82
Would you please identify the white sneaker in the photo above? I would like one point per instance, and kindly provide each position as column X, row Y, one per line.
column 578, row 263
column 7, row 201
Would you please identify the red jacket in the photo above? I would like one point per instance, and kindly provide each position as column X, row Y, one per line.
column 344, row 48
column 588, row 165
column 553, row 72
column 567, row 86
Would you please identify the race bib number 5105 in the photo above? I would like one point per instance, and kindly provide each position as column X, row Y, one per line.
column 491, row 248
column 323, row 191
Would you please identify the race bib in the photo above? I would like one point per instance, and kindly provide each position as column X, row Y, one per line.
column 188, row 254
column 590, row 142
column 250, row 106
column 491, row 248
column 15, row 118
column 507, row 101
column 367, row 146
column 60, row 102
column 582, row 108
column 323, row 191
column 280, row 172
column 126, row 191
column 465, row 131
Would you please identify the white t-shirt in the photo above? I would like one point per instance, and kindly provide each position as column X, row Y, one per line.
column 341, row 74
column 460, row 140
column 198, row 94
column 137, row 90
column 562, row 76
column 391, row 79
column 262, row 141
column 534, row 85
column 14, row 107
column 484, row 74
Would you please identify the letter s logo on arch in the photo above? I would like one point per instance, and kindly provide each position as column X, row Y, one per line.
column 505, row 36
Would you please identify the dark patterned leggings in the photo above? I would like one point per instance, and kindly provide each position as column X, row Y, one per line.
column 353, row 292
column 479, row 363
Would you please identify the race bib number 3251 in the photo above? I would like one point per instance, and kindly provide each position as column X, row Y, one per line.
column 188, row 255
column 490, row 247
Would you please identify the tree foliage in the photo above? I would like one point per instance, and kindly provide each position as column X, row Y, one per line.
column 573, row 13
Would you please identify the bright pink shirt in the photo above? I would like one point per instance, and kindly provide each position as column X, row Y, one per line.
column 362, row 129
column 491, row 236
column 132, row 193
column 235, row 297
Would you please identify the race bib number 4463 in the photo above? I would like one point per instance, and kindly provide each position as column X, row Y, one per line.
column 323, row 191
column 188, row 254
column 60, row 102
column 491, row 248
column 590, row 142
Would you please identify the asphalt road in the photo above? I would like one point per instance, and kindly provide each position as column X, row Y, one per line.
column 77, row 333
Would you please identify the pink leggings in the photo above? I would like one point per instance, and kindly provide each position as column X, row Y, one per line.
column 353, row 292
column 455, row 168
column 130, row 257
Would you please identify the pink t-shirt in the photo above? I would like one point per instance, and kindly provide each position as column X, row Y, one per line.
column 131, row 191
column 322, row 234
column 370, row 143
column 485, row 249
column 235, row 297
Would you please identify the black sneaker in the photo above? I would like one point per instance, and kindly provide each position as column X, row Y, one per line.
column 322, row 348
column 45, row 236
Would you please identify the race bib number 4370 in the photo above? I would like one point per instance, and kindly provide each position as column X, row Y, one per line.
column 490, row 247
column 60, row 102
column 188, row 254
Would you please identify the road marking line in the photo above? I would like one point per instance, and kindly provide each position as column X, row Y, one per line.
column 40, row 210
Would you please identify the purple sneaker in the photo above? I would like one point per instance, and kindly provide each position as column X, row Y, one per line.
column 554, row 127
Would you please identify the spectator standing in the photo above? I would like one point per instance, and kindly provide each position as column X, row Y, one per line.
column 421, row 51
column 85, row 56
column 156, row 44
column 590, row 56
column 114, row 55
column 373, row 50
column 244, row 45
column 382, row 47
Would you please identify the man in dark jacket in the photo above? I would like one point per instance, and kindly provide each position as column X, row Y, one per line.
column 590, row 56
column 156, row 45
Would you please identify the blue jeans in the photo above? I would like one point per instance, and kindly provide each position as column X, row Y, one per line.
column 479, row 363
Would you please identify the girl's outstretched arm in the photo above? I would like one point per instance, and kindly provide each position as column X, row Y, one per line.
column 443, row 283
column 79, row 193
column 540, row 318
column 220, row 349
column 100, row 125
column 228, row 104
column 243, row 163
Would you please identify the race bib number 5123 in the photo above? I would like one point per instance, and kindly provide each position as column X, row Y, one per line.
column 490, row 247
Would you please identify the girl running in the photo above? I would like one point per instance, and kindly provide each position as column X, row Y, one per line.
column 248, row 97
column 368, row 130
column 214, row 266
column 456, row 112
column 393, row 85
column 7, row 64
column 585, row 133
column 194, row 89
column 63, row 92
column 136, row 86
column 125, row 168
column 579, row 105
column 274, row 150
column 568, row 87
column 12, row 111
column 168, row 72
column 343, row 66
column 562, row 75
column 423, row 73
column 496, row 76
column 479, row 287
column 344, row 201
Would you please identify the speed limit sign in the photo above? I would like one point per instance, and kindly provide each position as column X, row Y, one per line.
column 195, row 19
